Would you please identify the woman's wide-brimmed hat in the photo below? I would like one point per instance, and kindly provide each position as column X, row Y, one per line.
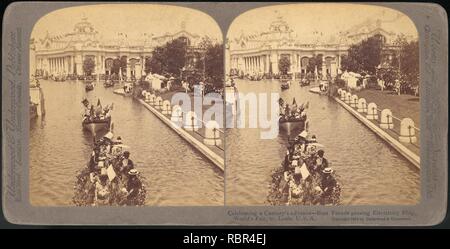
column 303, row 134
column 133, row 172
column 109, row 135
column 327, row 171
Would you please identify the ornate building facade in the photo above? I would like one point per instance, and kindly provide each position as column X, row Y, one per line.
column 65, row 54
column 260, row 53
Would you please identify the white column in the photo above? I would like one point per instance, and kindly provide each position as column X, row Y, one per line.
column 245, row 65
column 258, row 63
column 72, row 64
column 68, row 64
column 324, row 67
column 128, row 70
column 253, row 64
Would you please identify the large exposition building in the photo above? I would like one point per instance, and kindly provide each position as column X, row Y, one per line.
column 260, row 53
column 64, row 54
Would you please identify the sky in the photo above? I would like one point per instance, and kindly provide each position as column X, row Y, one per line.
column 328, row 18
column 131, row 19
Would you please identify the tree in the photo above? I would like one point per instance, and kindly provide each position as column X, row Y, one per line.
column 123, row 64
column 175, row 56
column 88, row 66
column 409, row 62
column 115, row 66
column 168, row 58
column 214, row 64
column 283, row 65
column 364, row 56
column 314, row 62
column 157, row 62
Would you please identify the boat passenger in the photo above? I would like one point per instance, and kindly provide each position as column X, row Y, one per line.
column 294, row 105
column 102, row 191
column 293, row 165
column 126, row 164
column 296, row 186
column 118, row 140
column 108, row 137
column 328, row 184
column 313, row 139
column 287, row 111
column 93, row 160
column 286, row 161
column 107, row 114
column 321, row 163
column 91, row 112
column 133, row 186
column 301, row 138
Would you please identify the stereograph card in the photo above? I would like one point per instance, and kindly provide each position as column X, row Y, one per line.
column 266, row 114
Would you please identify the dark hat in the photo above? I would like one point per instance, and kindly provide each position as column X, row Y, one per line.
column 103, row 177
column 320, row 152
column 126, row 154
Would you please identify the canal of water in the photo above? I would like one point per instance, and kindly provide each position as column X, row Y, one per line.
column 371, row 172
column 176, row 174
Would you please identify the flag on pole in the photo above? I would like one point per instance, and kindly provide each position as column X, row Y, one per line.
column 304, row 171
column 111, row 173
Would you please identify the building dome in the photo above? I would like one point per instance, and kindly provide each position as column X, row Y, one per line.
column 279, row 25
column 84, row 27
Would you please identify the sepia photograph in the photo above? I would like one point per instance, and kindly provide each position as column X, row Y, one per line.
column 323, row 106
column 225, row 114
column 123, row 107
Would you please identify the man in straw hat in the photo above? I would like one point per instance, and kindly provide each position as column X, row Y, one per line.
column 133, row 186
column 321, row 163
column 328, row 183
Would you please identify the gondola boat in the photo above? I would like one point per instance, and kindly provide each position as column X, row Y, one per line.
column 108, row 83
column 292, row 124
column 285, row 84
column 312, row 193
column 89, row 86
column 96, row 126
column 85, row 183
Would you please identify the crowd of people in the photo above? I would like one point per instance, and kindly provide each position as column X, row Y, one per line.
column 305, row 177
column 98, row 113
column 111, row 177
column 292, row 112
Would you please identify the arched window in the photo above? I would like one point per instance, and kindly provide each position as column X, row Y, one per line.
column 185, row 40
column 381, row 37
